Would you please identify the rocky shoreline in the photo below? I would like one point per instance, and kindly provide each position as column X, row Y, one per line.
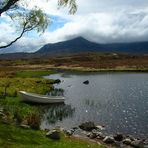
column 93, row 133
column 88, row 131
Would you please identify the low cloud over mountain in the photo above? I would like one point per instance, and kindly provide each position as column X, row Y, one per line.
column 98, row 21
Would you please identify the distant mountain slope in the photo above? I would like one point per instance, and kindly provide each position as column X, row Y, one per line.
column 80, row 45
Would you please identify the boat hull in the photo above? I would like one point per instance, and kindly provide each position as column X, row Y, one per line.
column 34, row 98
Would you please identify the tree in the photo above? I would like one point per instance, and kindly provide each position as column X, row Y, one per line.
column 28, row 20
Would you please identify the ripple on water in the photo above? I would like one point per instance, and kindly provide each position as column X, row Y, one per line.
column 117, row 100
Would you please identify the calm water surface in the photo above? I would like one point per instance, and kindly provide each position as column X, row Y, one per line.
column 119, row 101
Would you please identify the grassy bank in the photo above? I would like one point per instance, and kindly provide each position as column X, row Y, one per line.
column 14, row 109
column 11, row 86
column 17, row 112
column 12, row 137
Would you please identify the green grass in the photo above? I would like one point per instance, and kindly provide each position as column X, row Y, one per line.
column 17, row 111
column 14, row 137
column 36, row 85
column 13, row 106
column 33, row 74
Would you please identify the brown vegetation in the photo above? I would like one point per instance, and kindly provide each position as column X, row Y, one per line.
column 94, row 61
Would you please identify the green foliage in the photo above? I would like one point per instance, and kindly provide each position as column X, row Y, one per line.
column 29, row 19
column 71, row 3
column 35, row 19
column 25, row 20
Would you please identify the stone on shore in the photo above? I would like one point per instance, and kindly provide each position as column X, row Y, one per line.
column 53, row 134
column 99, row 127
column 93, row 135
column 109, row 140
column 57, row 81
column 86, row 82
column 137, row 144
column 100, row 135
column 127, row 141
column 118, row 137
column 69, row 132
column 87, row 126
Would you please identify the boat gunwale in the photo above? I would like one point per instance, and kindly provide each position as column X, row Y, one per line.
column 42, row 96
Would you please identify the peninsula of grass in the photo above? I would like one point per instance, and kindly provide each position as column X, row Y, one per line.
column 13, row 137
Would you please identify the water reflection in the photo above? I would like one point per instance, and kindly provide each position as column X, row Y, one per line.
column 117, row 100
column 56, row 113
column 89, row 102
column 56, row 92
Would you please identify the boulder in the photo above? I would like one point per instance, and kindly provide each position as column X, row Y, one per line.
column 118, row 137
column 87, row 126
column 99, row 127
column 53, row 134
column 100, row 135
column 127, row 141
column 88, row 134
column 75, row 128
column 86, row 82
column 109, row 140
column 137, row 144
column 57, row 81
column 92, row 134
column 69, row 132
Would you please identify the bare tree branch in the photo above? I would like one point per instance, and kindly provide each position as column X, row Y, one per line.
column 34, row 19
column 23, row 31
column 8, row 5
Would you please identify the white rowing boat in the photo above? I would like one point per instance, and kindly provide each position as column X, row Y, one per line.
column 36, row 98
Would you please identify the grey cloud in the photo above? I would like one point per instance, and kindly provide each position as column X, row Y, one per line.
column 109, row 5
column 101, row 21
column 121, row 27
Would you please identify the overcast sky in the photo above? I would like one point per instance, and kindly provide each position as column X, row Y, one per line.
column 101, row 21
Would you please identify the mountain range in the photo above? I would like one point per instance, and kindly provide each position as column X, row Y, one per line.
column 80, row 45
